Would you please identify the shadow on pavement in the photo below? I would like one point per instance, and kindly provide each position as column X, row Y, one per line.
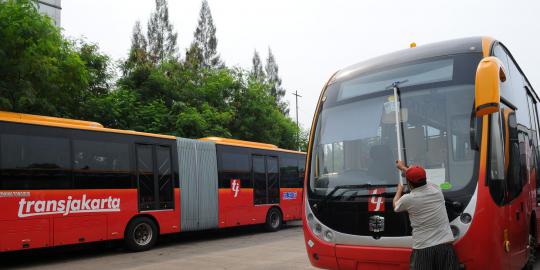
column 45, row 256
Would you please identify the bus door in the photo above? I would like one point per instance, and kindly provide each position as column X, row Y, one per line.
column 154, row 177
column 265, row 179
column 517, row 175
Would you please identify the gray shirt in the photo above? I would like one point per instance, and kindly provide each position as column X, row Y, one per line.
column 427, row 212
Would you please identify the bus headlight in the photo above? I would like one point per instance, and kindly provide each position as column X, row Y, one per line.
column 328, row 236
column 465, row 218
column 455, row 231
column 310, row 218
column 318, row 229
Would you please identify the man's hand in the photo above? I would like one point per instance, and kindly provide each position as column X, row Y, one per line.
column 400, row 164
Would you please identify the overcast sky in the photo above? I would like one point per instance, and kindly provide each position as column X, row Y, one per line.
column 313, row 39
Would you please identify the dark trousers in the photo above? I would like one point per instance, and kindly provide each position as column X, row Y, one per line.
column 439, row 257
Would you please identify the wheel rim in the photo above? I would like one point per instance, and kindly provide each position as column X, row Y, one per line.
column 142, row 234
column 532, row 249
column 274, row 220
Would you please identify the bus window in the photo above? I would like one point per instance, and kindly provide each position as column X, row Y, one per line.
column 272, row 172
column 301, row 170
column 99, row 164
column 514, row 168
column 235, row 166
column 462, row 148
column 260, row 192
column 146, row 174
column 289, row 173
column 165, row 179
column 496, row 162
column 513, row 88
column 500, row 53
column 518, row 172
column 532, row 114
column 332, row 154
column 34, row 162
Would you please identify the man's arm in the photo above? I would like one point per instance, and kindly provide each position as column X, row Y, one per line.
column 399, row 193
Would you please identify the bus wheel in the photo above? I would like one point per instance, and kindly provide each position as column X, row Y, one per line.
column 141, row 234
column 531, row 259
column 273, row 220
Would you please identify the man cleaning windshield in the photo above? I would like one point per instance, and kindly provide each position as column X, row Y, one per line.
column 431, row 234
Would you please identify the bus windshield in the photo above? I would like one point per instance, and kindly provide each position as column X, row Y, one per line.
column 356, row 141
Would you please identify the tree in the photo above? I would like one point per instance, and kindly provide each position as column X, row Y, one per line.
column 257, row 118
column 256, row 69
column 138, row 52
column 274, row 80
column 40, row 71
column 193, row 57
column 304, row 139
column 204, row 46
column 162, row 38
column 98, row 66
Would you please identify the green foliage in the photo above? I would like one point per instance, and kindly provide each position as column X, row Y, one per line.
column 256, row 69
column 41, row 72
column 138, row 54
column 157, row 46
column 274, row 80
column 162, row 38
column 304, row 140
column 98, row 67
column 259, row 119
column 203, row 50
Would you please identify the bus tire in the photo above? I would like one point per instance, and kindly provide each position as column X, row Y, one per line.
column 274, row 220
column 141, row 234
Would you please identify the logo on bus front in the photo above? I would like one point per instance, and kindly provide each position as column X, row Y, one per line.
column 235, row 187
column 71, row 205
column 376, row 203
column 376, row 224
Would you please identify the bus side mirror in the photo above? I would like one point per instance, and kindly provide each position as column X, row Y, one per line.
column 489, row 75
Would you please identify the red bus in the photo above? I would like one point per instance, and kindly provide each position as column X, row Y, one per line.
column 464, row 110
column 67, row 182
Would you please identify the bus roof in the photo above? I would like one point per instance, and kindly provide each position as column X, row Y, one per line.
column 250, row 144
column 95, row 126
column 479, row 44
column 449, row 47
column 69, row 123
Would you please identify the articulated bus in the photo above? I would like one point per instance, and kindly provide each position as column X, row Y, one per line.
column 462, row 109
column 67, row 182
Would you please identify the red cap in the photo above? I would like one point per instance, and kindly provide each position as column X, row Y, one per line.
column 415, row 174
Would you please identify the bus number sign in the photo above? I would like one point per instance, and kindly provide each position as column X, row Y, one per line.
column 376, row 203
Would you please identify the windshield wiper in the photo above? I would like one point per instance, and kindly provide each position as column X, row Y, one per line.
column 400, row 134
column 323, row 202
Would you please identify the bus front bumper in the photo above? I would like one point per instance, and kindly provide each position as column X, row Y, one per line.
column 357, row 257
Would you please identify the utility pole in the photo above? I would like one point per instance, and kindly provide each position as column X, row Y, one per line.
column 297, row 125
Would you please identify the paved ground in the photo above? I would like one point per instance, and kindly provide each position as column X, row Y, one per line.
column 238, row 248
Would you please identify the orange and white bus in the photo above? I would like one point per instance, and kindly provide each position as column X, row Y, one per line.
column 466, row 112
column 67, row 182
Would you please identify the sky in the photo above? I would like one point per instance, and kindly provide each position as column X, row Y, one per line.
column 312, row 39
